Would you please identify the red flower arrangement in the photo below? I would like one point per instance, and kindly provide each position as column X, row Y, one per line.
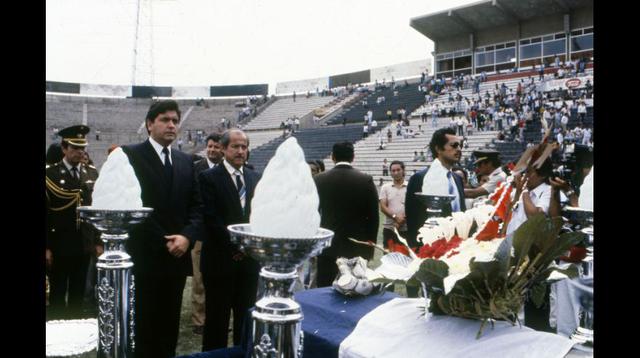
column 438, row 248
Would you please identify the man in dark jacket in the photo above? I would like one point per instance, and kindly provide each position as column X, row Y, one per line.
column 160, row 245
column 230, row 278
column 348, row 207
column 446, row 148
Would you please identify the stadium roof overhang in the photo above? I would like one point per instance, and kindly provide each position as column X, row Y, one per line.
column 487, row 14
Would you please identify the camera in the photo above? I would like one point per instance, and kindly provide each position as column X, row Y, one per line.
column 563, row 172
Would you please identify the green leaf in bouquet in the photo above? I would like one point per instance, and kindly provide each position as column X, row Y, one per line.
column 538, row 231
column 547, row 240
column 561, row 245
column 536, row 292
column 490, row 271
column 432, row 272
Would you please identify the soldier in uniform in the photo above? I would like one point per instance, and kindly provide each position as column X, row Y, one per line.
column 69, row 242
column 487, row 163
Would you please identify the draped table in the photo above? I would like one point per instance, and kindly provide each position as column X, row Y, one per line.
column 387, row 325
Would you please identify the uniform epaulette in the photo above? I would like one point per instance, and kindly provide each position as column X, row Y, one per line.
column 47, row 166
column 91, row 166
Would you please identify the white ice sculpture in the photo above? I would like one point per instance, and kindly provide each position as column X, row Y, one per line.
column 285, row 203
column 117, row 187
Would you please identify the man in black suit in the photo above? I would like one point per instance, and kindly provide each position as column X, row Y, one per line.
column 230, row 278
column 214, row 158
column 446, row 148
column 160, row 245
column 348, row 207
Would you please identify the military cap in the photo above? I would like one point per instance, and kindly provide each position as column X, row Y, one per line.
column 485, row 154
column 75, row 135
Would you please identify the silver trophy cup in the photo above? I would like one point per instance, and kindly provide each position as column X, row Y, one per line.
column 277, row 329
column 438, row 206
column 115, row 285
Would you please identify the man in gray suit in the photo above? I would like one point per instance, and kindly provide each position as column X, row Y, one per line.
column 348, row 207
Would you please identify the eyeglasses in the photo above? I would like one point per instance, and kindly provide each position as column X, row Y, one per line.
column 455, row 145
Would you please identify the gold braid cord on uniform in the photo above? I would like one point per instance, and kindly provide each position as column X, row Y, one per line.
column 73, row 195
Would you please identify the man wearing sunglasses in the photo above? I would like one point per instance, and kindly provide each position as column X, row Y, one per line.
column 446, row 148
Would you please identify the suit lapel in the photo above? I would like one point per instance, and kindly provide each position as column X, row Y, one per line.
column 231, row 187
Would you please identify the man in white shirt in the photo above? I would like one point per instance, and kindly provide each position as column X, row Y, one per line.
column 535, row 195
column 586, row 136
column 534, row 200
column 392, row 206
column 564, row 121
column 582, row 111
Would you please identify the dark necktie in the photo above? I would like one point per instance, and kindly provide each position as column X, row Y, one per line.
column 168, row 169
column 74, row 173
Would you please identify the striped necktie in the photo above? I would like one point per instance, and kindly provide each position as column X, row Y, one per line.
column 241, row 189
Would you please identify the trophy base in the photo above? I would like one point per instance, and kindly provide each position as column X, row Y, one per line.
column 277, row 328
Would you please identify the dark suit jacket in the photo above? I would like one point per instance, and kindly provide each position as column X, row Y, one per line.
column 415, row 211
column 222, row 207
column 349, row 207
column 200, row 166
column 176, row 210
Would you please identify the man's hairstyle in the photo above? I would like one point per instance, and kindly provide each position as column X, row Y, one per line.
column 545, row 170
column 397, row 162
column 162, row 107
column 226, row 137
column 343, row 152
column 439, row 139
column 214, row 137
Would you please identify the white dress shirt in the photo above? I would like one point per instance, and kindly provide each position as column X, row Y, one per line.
column 540, row 196
column 158, row 148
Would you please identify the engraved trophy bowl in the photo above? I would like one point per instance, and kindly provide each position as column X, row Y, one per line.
column 115, row 285
column 276, row 319
column 437, row 205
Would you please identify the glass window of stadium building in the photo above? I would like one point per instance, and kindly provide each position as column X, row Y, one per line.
column 454, row 63
column 533, row 51
column 496, row 57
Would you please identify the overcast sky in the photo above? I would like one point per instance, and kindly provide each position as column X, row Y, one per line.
column 214, row 42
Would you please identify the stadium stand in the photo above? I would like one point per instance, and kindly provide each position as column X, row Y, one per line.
column 284, row 108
